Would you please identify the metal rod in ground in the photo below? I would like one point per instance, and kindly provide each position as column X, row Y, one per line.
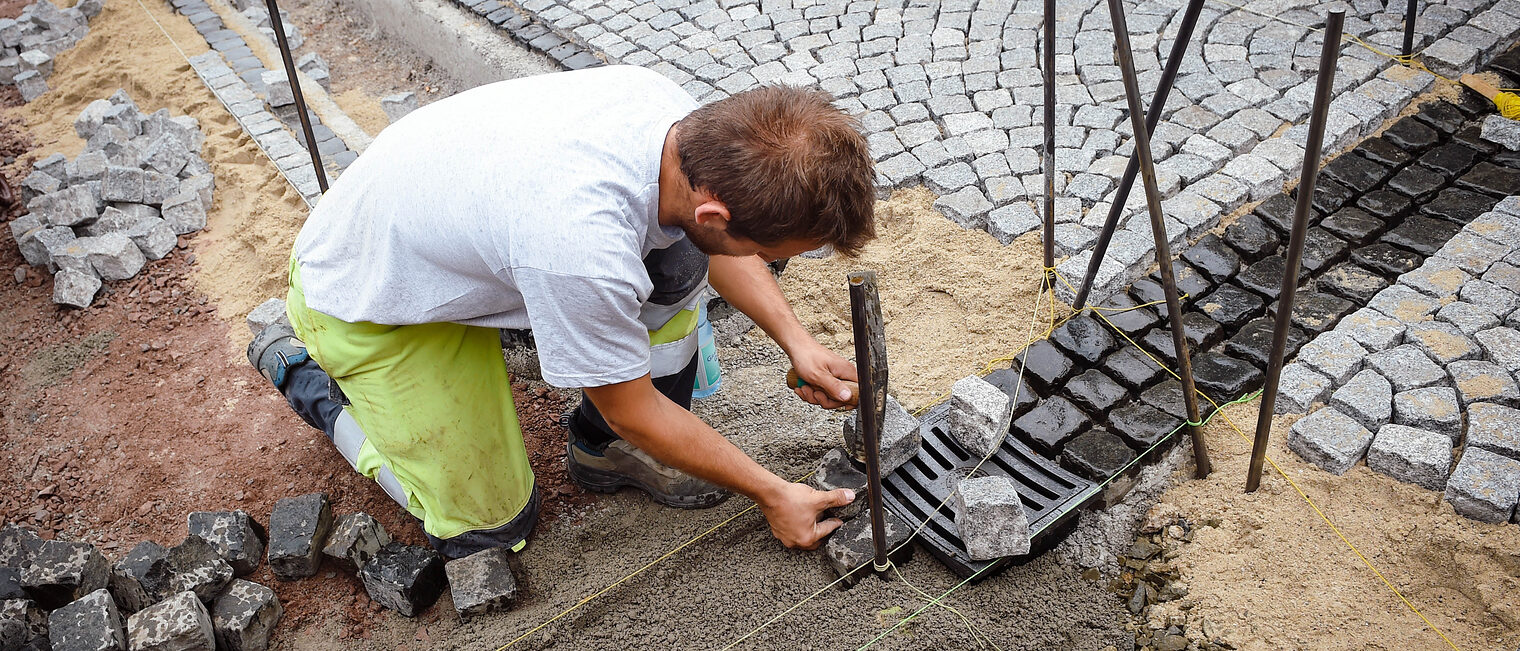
column 1317, row 118
column 871, row 367
column 295, row 91
column 1152, row 116
column 1142, row 140
column 1409, row 16
column 1048, row 48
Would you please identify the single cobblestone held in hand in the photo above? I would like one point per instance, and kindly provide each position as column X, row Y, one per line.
column 60, row 572
column 1495, row 428
column 92, row 623
column 403, row 578
column 836, row 471
column 1329, row 439
column 1410, row 455
column 1479, row 381
column 355, row 538
column 298, row 528
column 244, row 617
column 1484, row 486
column 901, row 437
column 990, row 518
column 482, row 583
column 179, row 623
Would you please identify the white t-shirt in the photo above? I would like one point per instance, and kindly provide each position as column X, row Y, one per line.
column 528, row 203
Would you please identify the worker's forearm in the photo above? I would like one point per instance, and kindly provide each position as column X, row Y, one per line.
column 679, row 438
column 747, row 284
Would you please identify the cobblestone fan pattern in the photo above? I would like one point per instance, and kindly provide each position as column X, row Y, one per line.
column 40, row 32
column 261, row 99
column 1402, row 224
column 950, row 92
column 1447, row 353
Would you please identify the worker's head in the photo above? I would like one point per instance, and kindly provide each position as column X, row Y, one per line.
column 781, row 171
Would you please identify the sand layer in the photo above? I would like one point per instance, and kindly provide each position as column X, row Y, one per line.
column 1268, row 573
column 255, row 218
column 953, row 299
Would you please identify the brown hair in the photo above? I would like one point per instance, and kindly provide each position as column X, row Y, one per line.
column 787, row 163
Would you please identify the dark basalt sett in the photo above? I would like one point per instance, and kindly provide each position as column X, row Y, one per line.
column 1051, row 424
column 1422, row 235
column 1387, row 203
column 1411, row 135
column 1047, row 366
column 1252, row 238
column 1386, row 259
column 1253, row 342
column 1354, row 172
column 1379, row 150
column 1095, row 391
column 1492, row 179
column 1458, row 205
column 1142, row 425
column 1097, row 455
column 1231, row 305
column 1084, row 339
column 1322, row 249
column 1132, row 368
column 1223, row 377
column 1354, row 225
column 1213, row 257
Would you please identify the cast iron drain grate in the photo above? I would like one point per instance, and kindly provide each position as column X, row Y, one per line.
column 1052, row 496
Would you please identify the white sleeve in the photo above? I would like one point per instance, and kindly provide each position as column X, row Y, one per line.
column 587, row 329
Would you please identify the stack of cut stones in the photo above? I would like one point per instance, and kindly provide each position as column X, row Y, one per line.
column 192, row 597
column 138, row 185
column 31, row 40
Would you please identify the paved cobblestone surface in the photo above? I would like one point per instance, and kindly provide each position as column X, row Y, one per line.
column 950, row 92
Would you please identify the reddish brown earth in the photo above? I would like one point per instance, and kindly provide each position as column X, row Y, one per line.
column 119, row 420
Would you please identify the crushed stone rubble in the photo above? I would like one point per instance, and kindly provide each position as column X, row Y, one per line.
column 138, row 185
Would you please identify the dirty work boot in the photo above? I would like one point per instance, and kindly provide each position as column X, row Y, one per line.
column 274, row 350
column 620, row 464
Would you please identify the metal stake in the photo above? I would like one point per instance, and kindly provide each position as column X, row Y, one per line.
column 1158, row 228
column 871, row 367
column 1152, row 116
column 1049, row 46
column 1317, row 117
column 295, row 90
column 1408, row 29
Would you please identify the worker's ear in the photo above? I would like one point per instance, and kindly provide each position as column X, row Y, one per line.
column 712, row 213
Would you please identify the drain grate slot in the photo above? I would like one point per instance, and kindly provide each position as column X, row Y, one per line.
column 1051, row 495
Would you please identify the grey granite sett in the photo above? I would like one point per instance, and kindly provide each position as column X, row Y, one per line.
column 1368, row 398
column 1484, row 486
column 1329, row 439
column 1411, row 455
column 1430, row 408
column 1407, row 367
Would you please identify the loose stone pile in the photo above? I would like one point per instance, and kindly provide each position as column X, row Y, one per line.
column 29, row 42
column 66, row 596
column 138, row 185
column 1400, row 375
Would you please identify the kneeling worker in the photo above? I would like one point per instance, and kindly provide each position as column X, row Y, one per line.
column 591, row 207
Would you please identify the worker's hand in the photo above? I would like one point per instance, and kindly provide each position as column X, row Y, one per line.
column 793, row 514
column 821, row 370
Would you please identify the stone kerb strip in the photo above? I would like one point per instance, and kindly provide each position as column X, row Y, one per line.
column 948, row 92
column 1454, row 357
column 266, row 130
column 260, row 99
